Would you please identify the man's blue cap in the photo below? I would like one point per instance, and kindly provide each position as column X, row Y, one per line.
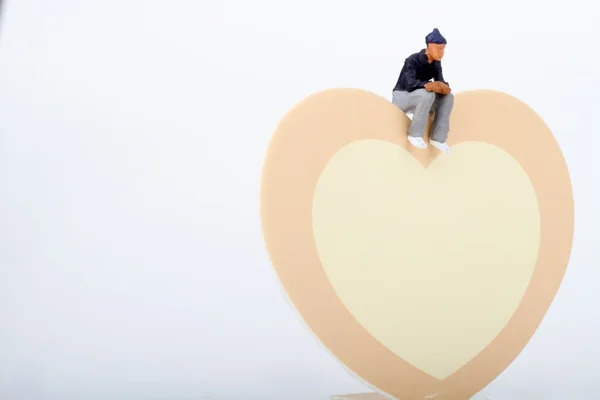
column 435, row 37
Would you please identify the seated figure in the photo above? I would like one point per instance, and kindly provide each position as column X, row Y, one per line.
column 415, row 93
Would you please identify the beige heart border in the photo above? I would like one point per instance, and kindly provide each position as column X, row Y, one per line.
column 313, row 131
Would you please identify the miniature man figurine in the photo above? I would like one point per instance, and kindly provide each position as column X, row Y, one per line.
column 414, row 92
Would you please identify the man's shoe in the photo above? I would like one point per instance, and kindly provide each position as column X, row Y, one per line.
column 443, row 147
column 418, row 142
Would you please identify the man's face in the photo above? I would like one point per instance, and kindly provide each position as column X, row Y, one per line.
column 436, row 51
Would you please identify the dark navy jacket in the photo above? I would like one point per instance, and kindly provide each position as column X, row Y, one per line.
column 417, row 71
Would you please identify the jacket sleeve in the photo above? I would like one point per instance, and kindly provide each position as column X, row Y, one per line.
column 412, row 83
column 439, row 75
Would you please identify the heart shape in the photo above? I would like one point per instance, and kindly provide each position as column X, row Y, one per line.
column 380, row 217
column 359, row 270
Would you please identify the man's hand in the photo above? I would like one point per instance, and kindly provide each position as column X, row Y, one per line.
column 442, row 88
column 437, row 87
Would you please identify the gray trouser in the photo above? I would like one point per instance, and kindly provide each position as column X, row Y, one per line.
column 421, row 102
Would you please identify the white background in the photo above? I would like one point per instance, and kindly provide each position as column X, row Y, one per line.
column 132, row 134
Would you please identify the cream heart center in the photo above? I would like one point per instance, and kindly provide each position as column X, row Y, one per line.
column 432, row 262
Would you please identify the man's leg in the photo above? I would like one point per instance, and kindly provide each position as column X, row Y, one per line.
column 440, row 126
column 420, row 103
